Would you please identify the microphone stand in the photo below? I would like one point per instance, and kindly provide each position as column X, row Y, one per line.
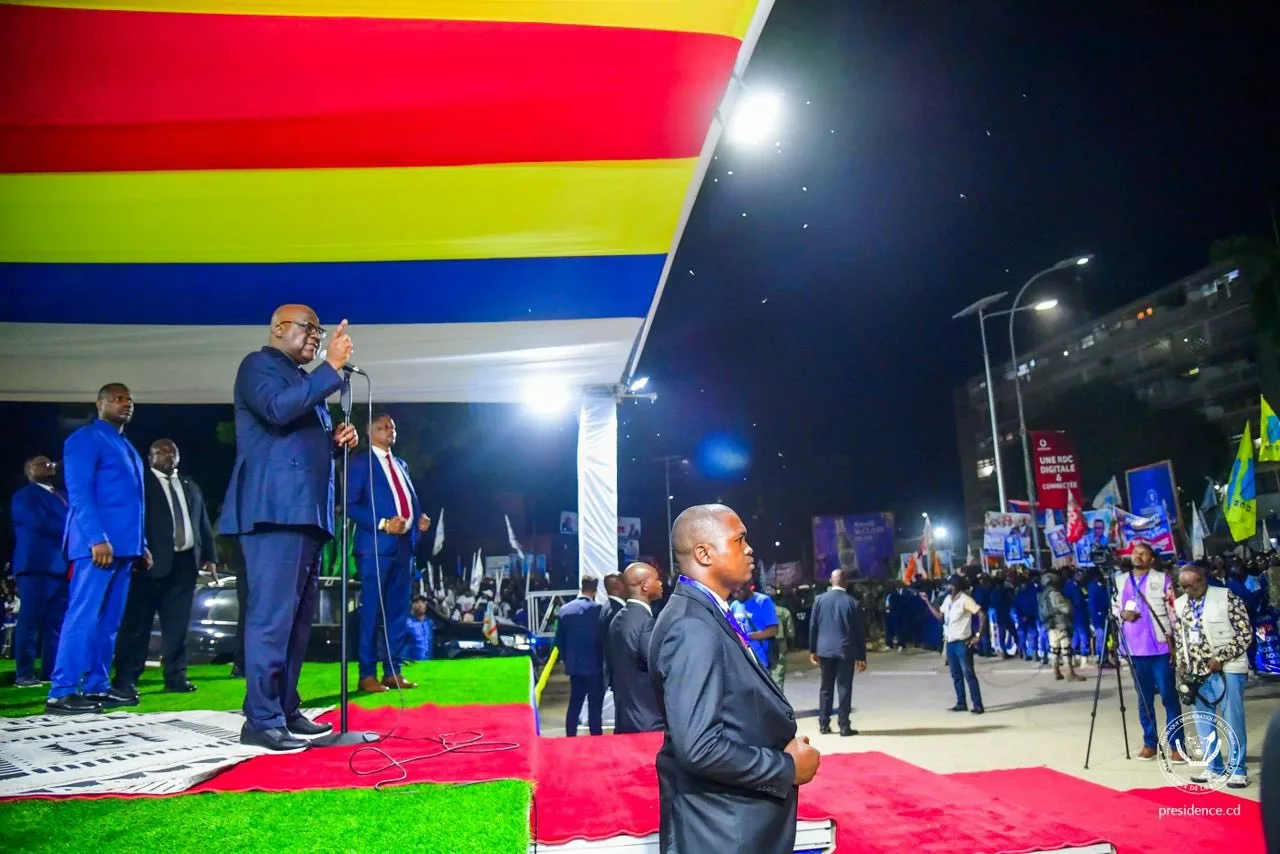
column 343, row 737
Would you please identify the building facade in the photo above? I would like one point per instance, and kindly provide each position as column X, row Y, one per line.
column 1192, row 343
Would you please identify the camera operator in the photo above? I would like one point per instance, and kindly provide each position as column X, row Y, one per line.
column 1143, row 601
column 1213, row 632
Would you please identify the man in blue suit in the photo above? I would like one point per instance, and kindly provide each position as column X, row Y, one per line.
column 39, row 515
column 105, row 537
column 389, row 520
column 580, row 639
column 279, row 505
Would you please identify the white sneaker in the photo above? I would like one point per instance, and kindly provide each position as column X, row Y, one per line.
column 1238, row 781
column 1205, row 776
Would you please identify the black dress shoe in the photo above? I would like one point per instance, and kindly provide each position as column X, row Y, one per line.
column 847, row 731
column 183, row 687
column 73, row 704
column 113, row 699
column 825, row 729
column 272, row 739
column 125, row 691
column 237, row 672
column 301, row 725
column 958, row 708
column 977, row 710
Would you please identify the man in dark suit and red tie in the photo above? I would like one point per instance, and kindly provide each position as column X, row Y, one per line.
column 181, row 542
column 105, row 537
column 280, row 506
column 39, row 514
column 389, row 520
column 730, row 764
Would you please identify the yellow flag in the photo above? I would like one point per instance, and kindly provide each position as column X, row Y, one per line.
column 1242, row 497
column 1269, row 430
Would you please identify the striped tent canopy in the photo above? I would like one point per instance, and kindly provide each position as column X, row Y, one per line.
column 490, row 190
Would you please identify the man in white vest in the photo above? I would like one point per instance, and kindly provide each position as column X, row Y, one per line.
column 1213, row 634
column 1143, row 602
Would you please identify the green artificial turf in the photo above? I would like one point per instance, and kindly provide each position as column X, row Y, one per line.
column 473, row 681
column 486, row 818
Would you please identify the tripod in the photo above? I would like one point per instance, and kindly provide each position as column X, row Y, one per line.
column 1122, row 647
column 343, row 737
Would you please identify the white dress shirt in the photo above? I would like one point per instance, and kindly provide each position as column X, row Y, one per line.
column 180, row 509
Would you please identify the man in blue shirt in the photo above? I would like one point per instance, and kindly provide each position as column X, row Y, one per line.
column 419, row 632
column 759, row 619
column 1099, row 605
column 1073, row 589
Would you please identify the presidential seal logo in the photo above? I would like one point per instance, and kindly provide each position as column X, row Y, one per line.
column 1206, row 742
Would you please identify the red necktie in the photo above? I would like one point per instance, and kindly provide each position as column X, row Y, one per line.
column 402, row 499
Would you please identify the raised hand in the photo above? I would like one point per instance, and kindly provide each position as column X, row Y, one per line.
column 340, row 348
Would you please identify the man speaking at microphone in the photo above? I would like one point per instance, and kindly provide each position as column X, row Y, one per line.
column 280, row 506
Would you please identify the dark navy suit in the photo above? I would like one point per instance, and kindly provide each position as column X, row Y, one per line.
column 39, row 520
column 385, row 560
column 280, row 505
column 105, row 491
column 580, row 639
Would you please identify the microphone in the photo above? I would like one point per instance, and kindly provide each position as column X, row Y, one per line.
column 348, row 368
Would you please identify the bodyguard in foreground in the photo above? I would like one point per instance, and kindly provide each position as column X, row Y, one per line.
column 730, row 764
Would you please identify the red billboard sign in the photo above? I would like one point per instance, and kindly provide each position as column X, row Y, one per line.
column 1053, row 458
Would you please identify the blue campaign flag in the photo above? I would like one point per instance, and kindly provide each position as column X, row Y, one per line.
column 1151, row 489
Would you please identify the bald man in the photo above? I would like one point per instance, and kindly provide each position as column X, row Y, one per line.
column 627, row 651
column 280, row 507
column 730, row 762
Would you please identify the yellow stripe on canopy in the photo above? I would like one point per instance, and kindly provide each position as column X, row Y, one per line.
column 718, row 17
column 503, row 211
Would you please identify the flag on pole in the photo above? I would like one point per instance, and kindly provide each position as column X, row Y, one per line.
column 1269, row 431
column 1210, row 499
column 1242, row 497
column 477, row 572
column 511, row 538
column 1076, row 528
column 439, row 544
column 926, row 537
column 490, row 624
column 1199, row 530
column 909, row 574
column 1108, row 496
column 431, row 578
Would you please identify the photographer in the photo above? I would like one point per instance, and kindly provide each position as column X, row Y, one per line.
column 1143, row 602
column 1213, row 632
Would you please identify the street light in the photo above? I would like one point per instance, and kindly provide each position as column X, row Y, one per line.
column 940, row 534
column 754, row 115
column 979, row 308
column 1045, row 305
column 666, row 469
column 1064, row 264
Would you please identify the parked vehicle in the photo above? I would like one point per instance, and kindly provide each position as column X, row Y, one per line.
column 211, row 634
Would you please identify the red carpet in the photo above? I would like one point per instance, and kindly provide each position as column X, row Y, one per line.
column 1130, row 822
column 882, row 804
column 476, row 734
column 605, row 787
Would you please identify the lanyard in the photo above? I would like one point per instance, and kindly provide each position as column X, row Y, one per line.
column 1196, row 606
column 706, row 591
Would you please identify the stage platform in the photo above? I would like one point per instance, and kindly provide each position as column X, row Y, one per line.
column 465, row 770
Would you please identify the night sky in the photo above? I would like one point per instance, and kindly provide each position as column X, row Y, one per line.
column 930, row 154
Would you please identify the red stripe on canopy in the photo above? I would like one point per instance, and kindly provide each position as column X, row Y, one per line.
column 130, row 91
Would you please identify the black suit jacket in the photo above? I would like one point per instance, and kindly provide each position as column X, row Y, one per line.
column 160, row 525
column 838, row 627
column 635, row 706
column 724, row 782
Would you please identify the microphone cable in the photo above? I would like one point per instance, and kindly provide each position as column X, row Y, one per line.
column 463, row 741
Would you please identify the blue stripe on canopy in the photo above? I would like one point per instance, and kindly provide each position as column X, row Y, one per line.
column 470, row 291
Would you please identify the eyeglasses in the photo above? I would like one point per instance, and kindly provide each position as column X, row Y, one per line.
column 310, row 329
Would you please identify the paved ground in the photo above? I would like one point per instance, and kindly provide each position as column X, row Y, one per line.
column 901, row 702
